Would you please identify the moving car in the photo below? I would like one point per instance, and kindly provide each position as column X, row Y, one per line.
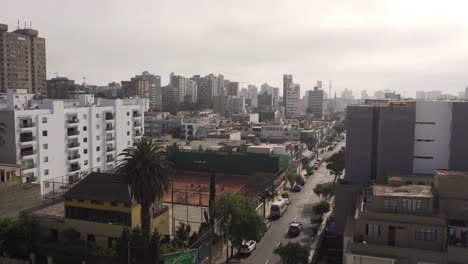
column 295, row 228
column 296, row 188
column 247, row 247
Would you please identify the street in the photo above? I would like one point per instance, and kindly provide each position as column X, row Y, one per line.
column 300, row 210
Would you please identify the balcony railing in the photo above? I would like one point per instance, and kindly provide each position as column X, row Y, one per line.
column 110, row 159
column 110, row 138
column 74, row 168
column 27, row 153
column 109, row 128
column 135, row 114
column 73, row 121
column 110, row 149
column 27, row 166
column 27, row 139
column 74, row 157
column 109, row 117
column 73, row 133
column 73, row 144
column 137, row 134
column 27, row 125
column 137, row 124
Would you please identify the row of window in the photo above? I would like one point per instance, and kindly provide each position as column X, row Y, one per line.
column 408, row 205
column 425, row 234
column 97, row 215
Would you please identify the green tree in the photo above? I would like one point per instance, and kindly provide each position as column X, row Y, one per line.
column 182, row 234
column 155, row 247
column 21, row 237
column 324, row 190
column 321, row 208
column 336, row 164
column 141, row 250
column 295, row 178
column 339, row 128
column 293, row 253
column 239, row 218
column 2, row 133
column 268, row 194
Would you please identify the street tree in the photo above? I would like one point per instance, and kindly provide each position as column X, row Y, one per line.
column 324, row 190
column 268, row 194
column 339, row 128
column 336, row 164
column 292, row 253
column 239, row 218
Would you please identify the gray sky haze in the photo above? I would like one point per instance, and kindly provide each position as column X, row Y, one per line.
column 361, row 44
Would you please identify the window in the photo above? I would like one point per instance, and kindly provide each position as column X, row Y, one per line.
column 97, row 126
column 128, row 123
column 45, row 146
column 46, row 184
column 390, row 204
column 425, row 123
column 98, row 138
column 85, row 128
column 97, row 115
column 128, row 133
column 85, row 162
column 98, row 159
column 98, row 148
column 412, row 205
column 44, row 133
column 372, row 230
column 91, row 238
column 46, row 159
column 425, row 140
column 128, row 143
column 80, row 201
column 44, row 120
column 85, row 116
column 128, row 113
column 46, row 172
column 426, row 234
column 85, row 151
column 85, row 140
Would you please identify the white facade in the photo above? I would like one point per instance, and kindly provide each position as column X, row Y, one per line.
column 432, row 136
column 54, row 139
column 292, row 97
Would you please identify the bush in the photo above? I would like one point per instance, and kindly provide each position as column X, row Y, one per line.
column 300, row 180
column 285, row 195
column 309, row 169
column 321, row 208
column 316, row 220
column 315, row 230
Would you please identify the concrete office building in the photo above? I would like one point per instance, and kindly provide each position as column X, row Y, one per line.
column 208, row 87
column 287, row 82
column 53, row 138
column 145, row 85
column 407, row 137
column 292, row 99
column 229, row 105
column 22, row 60
column 252, row 94
column 60, row 88
column 191, row 91
column 265, row 100
column 232, row 88
column 315, row 102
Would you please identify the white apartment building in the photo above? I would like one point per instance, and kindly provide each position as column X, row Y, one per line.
column 292, row 98
column 54, row 139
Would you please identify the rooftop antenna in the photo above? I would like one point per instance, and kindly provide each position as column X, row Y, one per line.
column 18, row 24
column 84, row 80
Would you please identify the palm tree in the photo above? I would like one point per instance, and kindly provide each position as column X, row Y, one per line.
column 268, row 194
column 147, row 173
column 2, row 132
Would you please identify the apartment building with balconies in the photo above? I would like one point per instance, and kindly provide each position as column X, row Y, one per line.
column 56, row 138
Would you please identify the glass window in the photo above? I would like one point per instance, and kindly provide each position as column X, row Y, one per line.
column 44, row 120
column 85, row 151
column 98, row 137
column 412, row 205
column 85, row 116
column 97, row 115
column 426, row 234
column 85, row 140
column 98, row 148
column 46, row 159
column 98, row 159
column 85, row 128
column 85, row 162
column 44, row 133
column 45, row 146
column 46, row 172
column 390, row 204
column 372, row 230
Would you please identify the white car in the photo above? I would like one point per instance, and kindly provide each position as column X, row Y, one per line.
column 247, row 247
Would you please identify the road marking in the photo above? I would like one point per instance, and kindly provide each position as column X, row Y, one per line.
column 268, row 260
column 295, row 218
column 278, row 244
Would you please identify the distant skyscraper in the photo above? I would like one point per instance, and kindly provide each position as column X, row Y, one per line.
column 60, row 88
column 421, row 95
column 364, row 95
column 208, row 87
column 265, row 100
column 434, row 95
column 292, row 99
column 287, row 81
column 191, row 93
column 145, row 85
column 316, row 102
column 347, row 94
column 22, row 60
column 252, row 94
column 232, row 88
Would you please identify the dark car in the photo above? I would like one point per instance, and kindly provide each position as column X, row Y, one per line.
column 295, row 228
column 296, row 188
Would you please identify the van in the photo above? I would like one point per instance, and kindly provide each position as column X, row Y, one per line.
column 278, row 208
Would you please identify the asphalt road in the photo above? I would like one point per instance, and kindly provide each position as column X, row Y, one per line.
column 300, row 210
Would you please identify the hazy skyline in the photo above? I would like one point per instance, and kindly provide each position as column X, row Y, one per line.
column 374, row 45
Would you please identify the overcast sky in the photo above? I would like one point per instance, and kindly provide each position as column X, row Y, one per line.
column 397, row 45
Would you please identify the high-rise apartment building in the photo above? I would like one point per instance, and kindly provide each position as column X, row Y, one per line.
column 315, row 102
column 22, row 60
column 291, row 97
column 265, row 100
column 229, row 105
column 232, row 88
column 60, row 88
column 191, row 91
column 347, row 94
column 208, row 87
column 252, row 94
column 406, row 137
column 145, row 85
column 55, row 139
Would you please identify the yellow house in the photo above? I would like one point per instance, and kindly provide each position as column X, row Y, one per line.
column 97, row 210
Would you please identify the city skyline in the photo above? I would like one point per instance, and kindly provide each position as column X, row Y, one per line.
column 391, row 45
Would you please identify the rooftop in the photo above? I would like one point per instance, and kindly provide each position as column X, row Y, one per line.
column 423, row 191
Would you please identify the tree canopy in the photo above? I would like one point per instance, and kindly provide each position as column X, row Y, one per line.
column 293, row 253
column 336, row 164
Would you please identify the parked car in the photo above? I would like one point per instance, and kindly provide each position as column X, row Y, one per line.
column 296, row 188
column 247, row 247
column 295, row 228
column 288, row 202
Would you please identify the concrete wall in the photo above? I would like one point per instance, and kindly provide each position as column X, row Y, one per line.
column 358, row 143
column 452, row 194
column 459, row 142
column 439, row 116
column 395, row 141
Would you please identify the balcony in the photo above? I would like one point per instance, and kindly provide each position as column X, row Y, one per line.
column 73, row 144
column 26, row 153
column 73, row 120
column 137, row 124
column 109, row 117
column 27, row 139
column 110, row 159
column 109, row 128
column 29, row 165
column 110, row 138
column 74, row 167
column 137, row 134
column 110, row 149
column 72, row 133
column 136, row 114
column 74, row 157
column 27, row 125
